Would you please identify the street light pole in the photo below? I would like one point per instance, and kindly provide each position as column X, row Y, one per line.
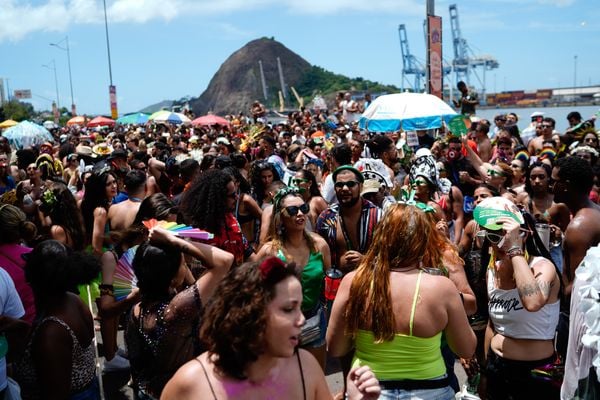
column 66, row 40
column 112, row 90
column 53, row 67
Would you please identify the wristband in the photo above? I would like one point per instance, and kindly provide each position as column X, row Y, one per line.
column 514, row 252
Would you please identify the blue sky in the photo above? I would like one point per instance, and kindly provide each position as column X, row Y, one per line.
column 167, row 49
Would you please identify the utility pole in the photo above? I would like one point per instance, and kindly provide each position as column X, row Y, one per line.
column 112, row 90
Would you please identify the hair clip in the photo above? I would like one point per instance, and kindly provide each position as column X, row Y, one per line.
column 268, row 265
column 408, row 198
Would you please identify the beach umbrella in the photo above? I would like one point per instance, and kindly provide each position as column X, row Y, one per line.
column 50, row 125
column 78, row 120
column 168, row 117
column 407, row 111
column 27, row 134
column 133, row 119
column 101, row 121
column 210, row 119
column 8, row 123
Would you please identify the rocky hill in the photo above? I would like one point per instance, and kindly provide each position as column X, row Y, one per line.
column 237, row 83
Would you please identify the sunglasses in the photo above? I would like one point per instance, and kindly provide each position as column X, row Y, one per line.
column 494, row 238
column 419, row 182
column 494, row 173
column 292, row 211
column 297, row 181
column 350, row 184
column 546, row 126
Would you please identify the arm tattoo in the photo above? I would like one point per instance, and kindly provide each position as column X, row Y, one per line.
column 528, row 289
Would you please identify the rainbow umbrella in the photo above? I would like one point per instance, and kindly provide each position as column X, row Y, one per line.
column 168, row 117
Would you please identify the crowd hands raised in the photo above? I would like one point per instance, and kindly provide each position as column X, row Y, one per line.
column 326, row 241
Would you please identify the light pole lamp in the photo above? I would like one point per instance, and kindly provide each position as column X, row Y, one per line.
column 66, row 40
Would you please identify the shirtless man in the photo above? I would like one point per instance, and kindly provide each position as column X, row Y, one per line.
column 572, row 180
column 484, row 144
column 121, row 215
column 537, row 144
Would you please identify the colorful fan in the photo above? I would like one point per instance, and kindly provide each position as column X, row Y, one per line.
column 124, row 280
column 179, row 229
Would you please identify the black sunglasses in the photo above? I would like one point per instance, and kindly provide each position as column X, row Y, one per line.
column 350, row 184
column 292, row 211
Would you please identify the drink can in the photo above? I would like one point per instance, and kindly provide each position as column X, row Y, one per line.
column 333, row 278
column 543, row 231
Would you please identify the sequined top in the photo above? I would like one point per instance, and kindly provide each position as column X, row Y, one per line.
column 162, row 337
column 83, row 365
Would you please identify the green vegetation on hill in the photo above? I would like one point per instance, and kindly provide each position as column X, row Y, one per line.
column 318, row 80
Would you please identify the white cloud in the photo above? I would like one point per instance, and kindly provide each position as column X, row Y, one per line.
column 20, row 18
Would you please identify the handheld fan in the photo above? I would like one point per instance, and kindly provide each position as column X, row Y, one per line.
column 179, row 229
column 124, row 279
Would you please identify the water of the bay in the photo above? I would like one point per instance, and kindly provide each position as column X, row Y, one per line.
column 558, row 113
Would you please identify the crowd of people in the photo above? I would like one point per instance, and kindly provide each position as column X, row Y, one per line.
column 323, row 240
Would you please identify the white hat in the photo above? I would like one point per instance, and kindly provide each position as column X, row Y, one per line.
column 537, row 114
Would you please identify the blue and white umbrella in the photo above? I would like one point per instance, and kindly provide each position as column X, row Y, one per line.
column 27, row 134
column 168, row 117
column 406, row 111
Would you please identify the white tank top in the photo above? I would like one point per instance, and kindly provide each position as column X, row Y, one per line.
column 510, row 317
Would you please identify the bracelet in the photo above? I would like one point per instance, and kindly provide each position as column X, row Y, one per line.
column 515, row 252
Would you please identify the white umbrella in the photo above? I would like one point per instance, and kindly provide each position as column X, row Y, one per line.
column 27, row 134
column 50, row 125
column 406, row 111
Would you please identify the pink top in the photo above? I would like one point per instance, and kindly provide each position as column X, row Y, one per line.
column 11, row 262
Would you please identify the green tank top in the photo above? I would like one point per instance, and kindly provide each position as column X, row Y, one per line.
column 312, row 279
column 404, row 357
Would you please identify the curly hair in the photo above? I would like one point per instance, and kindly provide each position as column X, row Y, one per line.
column 63, row 212
column 94, row 197
column 400, row 241
column 578, row 172
column 203, row 204
column 235, row 320
column 53, row 268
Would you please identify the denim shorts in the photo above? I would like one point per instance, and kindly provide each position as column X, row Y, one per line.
column 445, row 393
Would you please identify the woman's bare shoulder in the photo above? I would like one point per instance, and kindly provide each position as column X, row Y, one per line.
column 189, row 382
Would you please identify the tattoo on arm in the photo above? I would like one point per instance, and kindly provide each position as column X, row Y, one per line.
column 529, row 289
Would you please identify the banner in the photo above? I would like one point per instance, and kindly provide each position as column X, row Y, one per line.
column 434, row 56
column 55, row 112
column 112, row 90
column 22, row 94
column 2, row 98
